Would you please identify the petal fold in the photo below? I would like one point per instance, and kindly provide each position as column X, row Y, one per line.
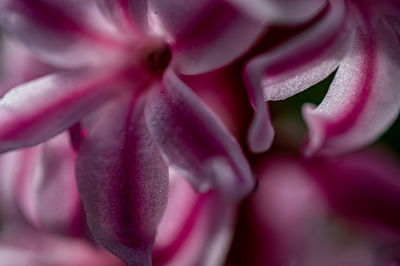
column 363, row 99
column 194, row 141
column 123, row 181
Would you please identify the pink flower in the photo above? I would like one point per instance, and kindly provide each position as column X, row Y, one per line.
column 128, row 112
column 358, row 38
column 338, row 211
column 43, row 221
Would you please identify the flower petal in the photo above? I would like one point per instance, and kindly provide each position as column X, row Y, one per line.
column 123, row 181
column 47, row 194
column 128, row 15
column 24, row 246
column 363, row 186
column 204, row 35
column 196, row 229
column 40, row 109
column 305, row 60
column 363, row 99
column 59, row 31
column 282, row 12
column 194, row 141
column 292, row 68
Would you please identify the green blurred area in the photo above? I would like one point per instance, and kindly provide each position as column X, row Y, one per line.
column 292, row 107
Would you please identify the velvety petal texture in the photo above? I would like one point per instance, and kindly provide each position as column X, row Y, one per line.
column 40, row 109
column 204, row 35
column 363, row 99
column 123, row 181
column 194, row 141
column 196, row 229
column 293, row 67
column 66, row 33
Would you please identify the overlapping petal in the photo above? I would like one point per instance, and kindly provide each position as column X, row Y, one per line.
column 129, row 15
column 47, row 193
column 123, row 181
column 196, row 229
column 363, row 99
column 293, row 67
column 204, row 35
column 192, row 139
column 40, row 109
column 66, row 33
column 278, row 11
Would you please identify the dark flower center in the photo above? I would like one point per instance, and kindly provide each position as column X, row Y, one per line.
column 158, row 60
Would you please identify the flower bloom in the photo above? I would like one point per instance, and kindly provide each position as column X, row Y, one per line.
column 358, row 39
column 337, row 211
column 128, row 112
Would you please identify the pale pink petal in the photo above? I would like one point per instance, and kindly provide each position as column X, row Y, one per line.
column 281, row 11
column 123, row 181
column 196, row 229
column 204, row 35
column 24, row 246
column 363, row 99
column 40, row 109
column 127, row 14
column 47, row 193
column 18, row 65
column 59, row 31
column 194, row 141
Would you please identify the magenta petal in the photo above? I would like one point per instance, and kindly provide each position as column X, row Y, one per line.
column 59, row 31
column 196, row 229
column 193, row 140
column 363, row 99
column 282, row 11
column 123, row 182
column 204, row 35
column 363, row 186
column 40, row 109
column 126, row 14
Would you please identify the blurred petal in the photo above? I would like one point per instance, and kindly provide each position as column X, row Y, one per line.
column 47, row 194
column 363, row 186
column 196, row 229
column 363, row 99
column 281, row 11
column 126, row 14
column 123, row 182
column 18, row 65
column 204, row 35
column 40, row 109
column 23, row 246
column 194, row 141
column 59, row 31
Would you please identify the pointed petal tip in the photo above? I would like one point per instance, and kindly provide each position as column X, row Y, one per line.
column 260, row 136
